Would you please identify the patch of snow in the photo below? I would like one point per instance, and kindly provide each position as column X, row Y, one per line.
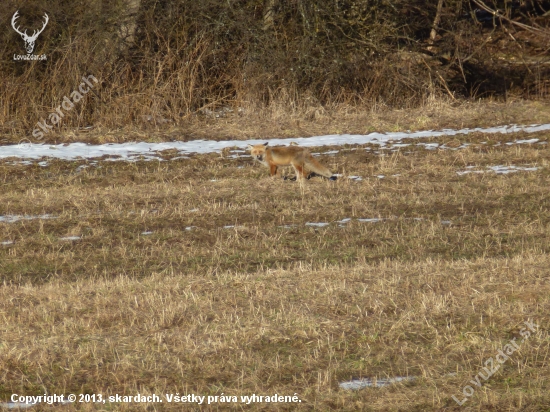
column 511, row 169
column 25, row 405
column 345, row 220
column 499, row 169
column 237, row 156
column 524, row 141
column 320, row 224
column 146, row 233
column 132, row 151
column 6, row 242
column 371, row 220
column 17, row 405
column 429, row 146
column 15, row 218
column 70, row 238
column 356, row 384
column 465, row 172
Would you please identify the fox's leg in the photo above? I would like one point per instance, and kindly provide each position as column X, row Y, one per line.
column 272, row 170
column 299, row 168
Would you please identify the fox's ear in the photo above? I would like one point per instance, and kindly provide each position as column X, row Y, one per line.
column 249, row 147
column 266, row 143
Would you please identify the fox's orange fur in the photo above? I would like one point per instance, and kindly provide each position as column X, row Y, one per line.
column 298, row 157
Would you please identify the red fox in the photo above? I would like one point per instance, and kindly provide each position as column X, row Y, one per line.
column 298, row 157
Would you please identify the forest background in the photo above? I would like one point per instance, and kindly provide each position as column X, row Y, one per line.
column 170, row 62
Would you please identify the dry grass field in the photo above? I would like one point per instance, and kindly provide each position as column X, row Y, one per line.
column 201, row 276
column 243, row 122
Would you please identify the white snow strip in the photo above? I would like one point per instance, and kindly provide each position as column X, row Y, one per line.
column 23, row 405
column 357, row 384
column 133, row 150
column 320, row 224
column 525, row 141
column 429, row 146
column 15, row 218
column 6, row 243
column 345, row 220
column 465, row 172
column 146, row 233
column 371, row 220
column 70, row 238
column 17, row 405
column 499, row 169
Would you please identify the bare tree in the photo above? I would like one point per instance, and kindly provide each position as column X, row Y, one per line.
column 437, row 19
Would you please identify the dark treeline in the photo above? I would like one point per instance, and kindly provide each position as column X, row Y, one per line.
column 174, row 58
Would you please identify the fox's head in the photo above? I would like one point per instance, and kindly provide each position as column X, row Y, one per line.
column 257, row 151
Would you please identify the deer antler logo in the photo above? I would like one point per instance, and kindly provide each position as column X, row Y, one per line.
column 29, row 40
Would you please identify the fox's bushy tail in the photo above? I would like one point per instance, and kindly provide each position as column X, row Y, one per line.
column 316, row 167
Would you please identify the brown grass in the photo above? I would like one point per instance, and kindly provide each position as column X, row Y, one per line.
column 241, row 123
column 263, row 309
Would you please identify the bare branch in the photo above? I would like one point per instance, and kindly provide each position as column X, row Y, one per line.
column 498, row 14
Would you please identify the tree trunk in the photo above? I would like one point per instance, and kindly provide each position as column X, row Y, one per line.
column 435, row 24
column 269, row 15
